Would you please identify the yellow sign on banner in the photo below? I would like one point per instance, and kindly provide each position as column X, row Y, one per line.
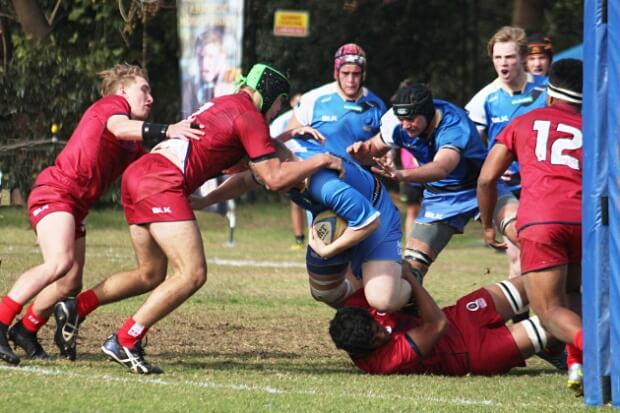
column 291, row 23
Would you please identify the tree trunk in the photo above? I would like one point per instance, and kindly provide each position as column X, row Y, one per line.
column 6, row 45
column 32, row 19
column 529, row 14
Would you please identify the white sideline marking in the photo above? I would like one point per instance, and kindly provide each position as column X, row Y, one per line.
column 262, row 389
column 252, row 263
column 115, row 256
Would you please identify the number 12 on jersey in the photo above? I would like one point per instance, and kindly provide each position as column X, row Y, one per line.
column 573, row 141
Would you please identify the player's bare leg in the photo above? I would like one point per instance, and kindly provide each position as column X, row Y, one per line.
column 182, row 244
column 419, row 255
column 509, row 297
column 505, row 216
column 151, row 270
column 546, row 290
column 298, row 221
column 56, row 237
column 332, row 289
column 384, row 287
column 425, row 242
column 511, row 300
column 68, row 286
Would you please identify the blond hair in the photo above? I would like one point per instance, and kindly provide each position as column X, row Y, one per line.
column 120, row 75
column 509, row 34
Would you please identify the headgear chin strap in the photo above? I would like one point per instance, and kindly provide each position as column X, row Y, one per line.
column 414, row 100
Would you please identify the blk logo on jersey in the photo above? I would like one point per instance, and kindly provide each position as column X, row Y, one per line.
column 433, row 215
column 329, row 118
column 500, row 119
column 162, row 210
column 39, row 210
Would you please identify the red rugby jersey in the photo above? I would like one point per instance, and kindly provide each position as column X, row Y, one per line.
column 448, row 356
column 547, row 143
column 233, row 129
column 93, row 158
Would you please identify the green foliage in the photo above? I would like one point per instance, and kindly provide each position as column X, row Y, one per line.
column 55, row 80
column 439, row 42
column 442, row 43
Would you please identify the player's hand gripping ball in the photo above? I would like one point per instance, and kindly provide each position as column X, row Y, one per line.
column 328, row 226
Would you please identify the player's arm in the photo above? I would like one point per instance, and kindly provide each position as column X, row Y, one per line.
column 434, row 321
column 444, row 162
column 233, row 187
column 349, row 238
column 364, row 152
column 136, row 130
column 277, row 175
column 497, row 161
column 295, row 129
column 340, row 197
column 304, row 132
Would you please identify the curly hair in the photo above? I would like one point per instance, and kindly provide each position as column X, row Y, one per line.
column 566, row 80
column 120, row 74
column 353, row 330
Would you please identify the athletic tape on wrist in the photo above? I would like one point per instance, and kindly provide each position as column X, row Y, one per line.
column 155, row 131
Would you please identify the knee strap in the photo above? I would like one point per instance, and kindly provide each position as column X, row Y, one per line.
column 334, row 296
column 513, row 296
column 535, row 333
column 501, row 228
column 417, row 255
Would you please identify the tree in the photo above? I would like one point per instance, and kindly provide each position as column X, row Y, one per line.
column 33, row 21
column 529, row 14
column 51, row 54
column 51, row 50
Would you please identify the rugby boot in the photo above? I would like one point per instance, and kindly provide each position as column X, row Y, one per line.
column 132, row 358
column 575, row 379
column 27, row 341
column 6, row 353
column 67, row 327
column 140, row 345
column 557, row 360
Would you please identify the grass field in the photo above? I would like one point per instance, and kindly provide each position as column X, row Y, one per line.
column 252, row 339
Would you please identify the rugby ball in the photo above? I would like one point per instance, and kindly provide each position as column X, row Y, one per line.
column 328, row 226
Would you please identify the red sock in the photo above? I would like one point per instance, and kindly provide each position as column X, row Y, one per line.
column 33, row 322
column 573, row 355
column 130, row 333
column 8, row 310
column 578, row 340
column 86, row 302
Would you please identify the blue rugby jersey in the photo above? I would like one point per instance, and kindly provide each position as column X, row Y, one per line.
column 342, row 122
column 494, row 106
column 456, row 193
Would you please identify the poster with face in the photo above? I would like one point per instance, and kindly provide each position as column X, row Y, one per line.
column 210, row 33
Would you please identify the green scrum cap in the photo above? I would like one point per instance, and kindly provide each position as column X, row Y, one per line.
column 270, row 84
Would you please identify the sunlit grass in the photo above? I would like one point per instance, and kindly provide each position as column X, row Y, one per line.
column 251, row 339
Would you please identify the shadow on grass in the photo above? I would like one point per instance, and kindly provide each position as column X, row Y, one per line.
column 275, row 362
